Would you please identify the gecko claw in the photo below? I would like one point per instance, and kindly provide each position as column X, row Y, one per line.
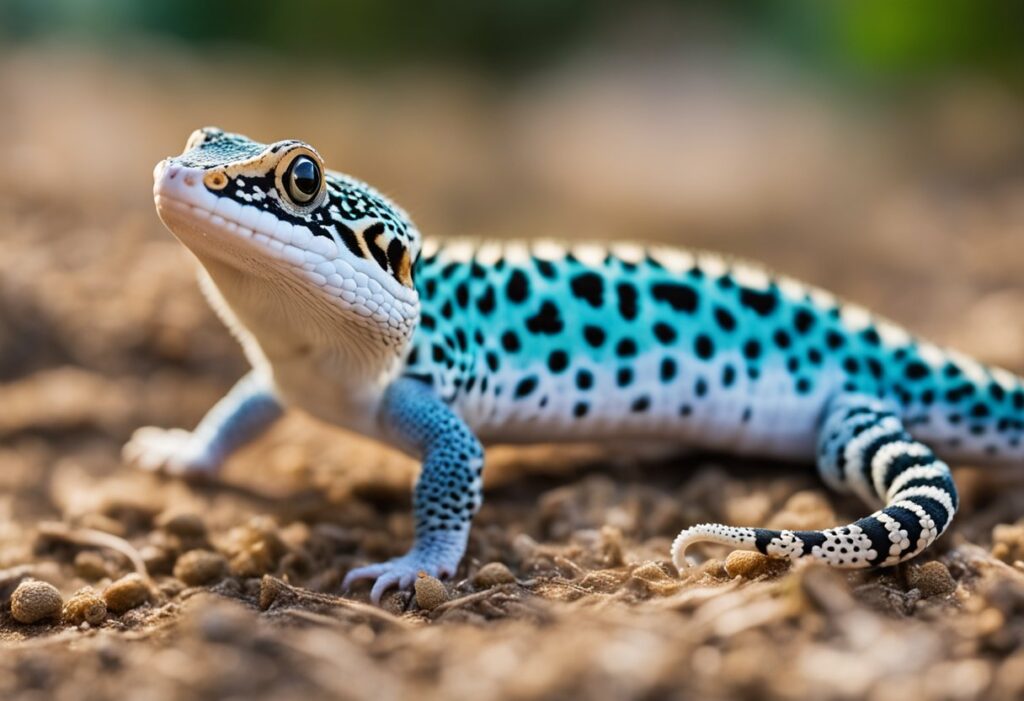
column 400, row 571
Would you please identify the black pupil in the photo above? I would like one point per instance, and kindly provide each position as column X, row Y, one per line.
column 306, row 176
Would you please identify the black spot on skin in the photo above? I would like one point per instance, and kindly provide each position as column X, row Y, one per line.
column 763, row 302
column 803, row 320
column 815, row 356
column 427, row 321
column 546, row 320
column 704, row 347
column 997, row 392
column 701, row 388
column 664, row 333
column 640, row 404
column 851, row 365
column 875, row 368
column 525, row 386
column 782, row 339
column 395, row 252
column 624, row 377
column 492, row 361
column 803, row 385
column 980, row 411
column 478, row 271
column 928, row 397
column 460, row 339
column 834, row 340
column 414, row 356
column 348, row 237
column 545, row 268
column 510, row 342
column 437, row 352
column 518, row 287
column 1018, row 399
column 951, row 371
column 558, row 361
column 871, row 337
column 627, row 300
column 668, row 369
column 685, row 410
column 793, row 364
column 370, row 235
column 728, row 375
column 589, row 287
column 584, row 379
column 626, row 348
column 486, row 302
column 580, row 410
column 594, row 335
column 447, row 310
column 430, row 289
column 725, row 319
column 747, row 413
column 462, row 295
column 916, row 370
column 680, row 297
column 752, row 350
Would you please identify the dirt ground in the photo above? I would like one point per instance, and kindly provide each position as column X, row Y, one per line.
column 914, row 207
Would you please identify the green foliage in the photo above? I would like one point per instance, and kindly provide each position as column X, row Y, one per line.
column 874, row 39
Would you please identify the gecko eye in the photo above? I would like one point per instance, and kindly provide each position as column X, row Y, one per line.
column 302, row 180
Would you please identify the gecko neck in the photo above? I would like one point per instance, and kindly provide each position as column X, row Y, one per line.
column 301, row 338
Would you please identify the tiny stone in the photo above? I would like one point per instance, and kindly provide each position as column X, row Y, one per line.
column 90, row 565
column 184, row 525
column 746, row 564
column 493, row 574
column 430, row 592
column 198, row 567
column 85, row 608
column 34, row 601
column 126, row 593
column 932, row 578
column 270, row 589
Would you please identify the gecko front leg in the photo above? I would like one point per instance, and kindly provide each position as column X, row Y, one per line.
column 240, row 416
column 447, row 494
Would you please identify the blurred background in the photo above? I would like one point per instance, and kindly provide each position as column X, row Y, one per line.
column 872, row 147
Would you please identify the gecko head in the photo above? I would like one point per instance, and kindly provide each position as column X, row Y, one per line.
column 271, row 218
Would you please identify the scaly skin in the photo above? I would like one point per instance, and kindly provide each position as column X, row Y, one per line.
column 437, row 348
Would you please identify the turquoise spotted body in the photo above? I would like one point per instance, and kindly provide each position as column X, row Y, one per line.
column 440, row 348
column 536, row 342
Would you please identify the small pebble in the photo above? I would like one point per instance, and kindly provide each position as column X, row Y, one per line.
column 932, row 578
column 183, row 525
column 430, row 592
column 493, row 574
column 746, row 564
column 126, row 593
column 198, row 567
column 34, row 601
column 85, row 606
column 90, row 565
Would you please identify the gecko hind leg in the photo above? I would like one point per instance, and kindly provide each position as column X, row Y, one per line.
column 863, row 448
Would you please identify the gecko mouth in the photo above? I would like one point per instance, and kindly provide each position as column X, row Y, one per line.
column 213, row 223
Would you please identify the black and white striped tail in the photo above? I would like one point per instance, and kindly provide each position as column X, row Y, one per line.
column 862, row 448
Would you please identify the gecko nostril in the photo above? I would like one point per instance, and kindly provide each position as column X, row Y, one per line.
column 190, row 180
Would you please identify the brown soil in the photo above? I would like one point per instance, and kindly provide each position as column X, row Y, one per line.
column 916, row 210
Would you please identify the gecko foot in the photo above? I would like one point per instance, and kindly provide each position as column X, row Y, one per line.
column 170, row 451
column 402, row 571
